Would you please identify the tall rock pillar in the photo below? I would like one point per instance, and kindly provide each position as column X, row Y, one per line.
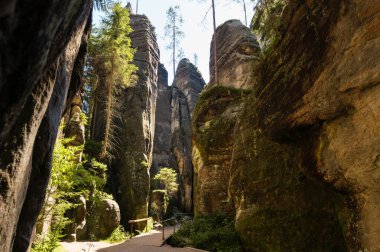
column 137, row 116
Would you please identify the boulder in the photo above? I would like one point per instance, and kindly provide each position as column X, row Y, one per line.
column 103, row 219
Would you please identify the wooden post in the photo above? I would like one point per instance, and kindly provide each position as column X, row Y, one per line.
column 131, row 229
column 163, row 231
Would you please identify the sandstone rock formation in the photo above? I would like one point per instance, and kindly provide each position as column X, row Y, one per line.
column 41, row 65
column 162, row 147
column 237, row 55
column 332, row 94
column 103, row 219
column 172, row 140
column 189, row 81
column 299, row 170
column 133, row 156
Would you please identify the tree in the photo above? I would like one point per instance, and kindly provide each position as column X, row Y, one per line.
column 195, row 59
column 167, row 177
column 110, row 57
column 267, row 20
column 173, row 33
column 214, row 41
column 245, row 10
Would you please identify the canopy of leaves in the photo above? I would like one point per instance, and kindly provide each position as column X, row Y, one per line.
column 167, row 177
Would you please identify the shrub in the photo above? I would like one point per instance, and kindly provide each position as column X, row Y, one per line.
column 118, row 235
column 214, row 233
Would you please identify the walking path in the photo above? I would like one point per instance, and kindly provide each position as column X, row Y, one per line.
column 146, row 242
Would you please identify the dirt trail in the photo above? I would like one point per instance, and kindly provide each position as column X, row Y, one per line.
column 147, row 242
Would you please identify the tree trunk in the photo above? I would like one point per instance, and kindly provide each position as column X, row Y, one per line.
column 215, row 57
column 174, row 41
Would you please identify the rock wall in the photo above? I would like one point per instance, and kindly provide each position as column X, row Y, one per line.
column 162, row 147
column 43, row 48
column 133, row 156
column 294, row 159
column 329, row 88
column 237, row 55
column 172, row 146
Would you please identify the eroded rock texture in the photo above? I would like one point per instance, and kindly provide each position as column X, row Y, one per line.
column 162, row 147
column 332, row 92
column 236, row 51
column 43, row 48
column 173, row 119
column 133, row 156
column 294, row 160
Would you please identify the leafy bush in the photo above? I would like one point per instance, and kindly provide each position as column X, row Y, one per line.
column 118, row 235
column 214, row 233
column 167, row 178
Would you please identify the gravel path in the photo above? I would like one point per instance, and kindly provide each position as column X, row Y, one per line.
column 147, row 242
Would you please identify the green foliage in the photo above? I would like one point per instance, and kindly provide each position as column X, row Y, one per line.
column 48, row 242
column 213, row 233
column 110, row 48
column 110, row 61
column 266, row 21
column 118, row 235
column 167, row 177
column 160, row 201
column 174, row 34
column 69, row 180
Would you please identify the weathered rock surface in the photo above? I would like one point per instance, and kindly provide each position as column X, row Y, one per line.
column 103, row 219
column 162, row 147
column 237, row 55
column 133, row 156
column 299, row 171
column 332, row 93
column 173, row 118
column 43, row 47
column 189, row 80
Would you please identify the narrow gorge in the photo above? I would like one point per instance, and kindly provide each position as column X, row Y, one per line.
column 279, row 151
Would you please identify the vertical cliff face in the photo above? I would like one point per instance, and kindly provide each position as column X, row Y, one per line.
column 335, row 70
column 162, row 147
column 216, row 114
column 35, row 85
column 284, row 173
column 187, row 85
column 172, row 145
column 237, row 55
column 136, row 127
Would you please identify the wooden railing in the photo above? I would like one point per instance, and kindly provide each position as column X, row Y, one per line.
column 136, row 221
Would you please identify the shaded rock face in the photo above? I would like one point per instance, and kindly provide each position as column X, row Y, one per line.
column 103, row 219
column 35, row 87
column 133, row 156
column 335, row 96
column 172, row 145
column 237, row 55
column 189, row 81
column 300, row 169
column 162, row 148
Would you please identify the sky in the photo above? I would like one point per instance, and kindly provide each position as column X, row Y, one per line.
column 197, row 26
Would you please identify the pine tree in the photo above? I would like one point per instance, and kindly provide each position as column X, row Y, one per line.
column 111, row 55
column 173, row 33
